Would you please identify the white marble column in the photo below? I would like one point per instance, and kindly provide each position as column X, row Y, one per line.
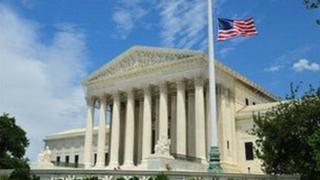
column 140, row 131
column 115, row 132
column 101, row 133
column 147, row 125
column 89, row 133
column 156, row 118
column 200, row 120
column 173, row 124
column 129, row 134
column 163, row 112
column 181, row 119
column 191, row 145
column 162, row 148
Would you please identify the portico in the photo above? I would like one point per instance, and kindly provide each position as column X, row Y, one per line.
column 150, row 94
column 140, row 106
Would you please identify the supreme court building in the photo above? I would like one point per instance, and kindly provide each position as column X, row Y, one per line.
column 153, row 114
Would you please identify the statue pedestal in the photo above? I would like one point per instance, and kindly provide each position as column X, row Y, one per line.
column 161, row 163
column 161, row 160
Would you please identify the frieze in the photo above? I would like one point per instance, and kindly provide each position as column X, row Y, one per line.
column 150, row 69
column 136, row 58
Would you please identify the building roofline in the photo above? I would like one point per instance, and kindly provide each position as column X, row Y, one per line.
column 71, row 133
column 218, row 64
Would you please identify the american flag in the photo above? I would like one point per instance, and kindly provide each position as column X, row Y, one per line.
column 229, row 28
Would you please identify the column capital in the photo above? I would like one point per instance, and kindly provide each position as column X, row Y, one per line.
column 163, row 86
column 146, row 88
column 90, row 100
column 115, row 95
column 102, row 98
column 180, row 83
column 199, row 81
column 130, row 92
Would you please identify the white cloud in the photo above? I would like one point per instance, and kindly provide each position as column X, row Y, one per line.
column 125, row 16
column 183, row 23
column 273, row 68
column 39, row 82
column 305, row 65
column 288, row 57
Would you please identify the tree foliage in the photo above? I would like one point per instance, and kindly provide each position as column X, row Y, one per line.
column 288, row 136
column 312, row 4
column 314, row 142
column 162, row 177
column 13, row 144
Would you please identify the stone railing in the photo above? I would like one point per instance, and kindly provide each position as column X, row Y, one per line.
column 185, row 157
column 79, row 174
column 65, row 164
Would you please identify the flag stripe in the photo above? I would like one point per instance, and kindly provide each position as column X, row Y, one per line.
column 244, row 27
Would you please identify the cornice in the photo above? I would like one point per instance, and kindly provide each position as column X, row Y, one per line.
column 243, row 79
column 149, row 69
column 141, row 59
column 72, row 133
column 139, row 56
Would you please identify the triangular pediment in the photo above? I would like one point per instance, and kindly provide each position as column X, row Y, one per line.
column 139, row 57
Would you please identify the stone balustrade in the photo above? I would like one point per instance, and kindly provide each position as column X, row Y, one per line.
column 146, row 175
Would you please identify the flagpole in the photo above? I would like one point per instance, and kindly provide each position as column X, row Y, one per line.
column 214, row 161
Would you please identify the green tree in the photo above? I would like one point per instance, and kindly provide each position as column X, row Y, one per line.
column 288, row 136
column 13, row 144
column 162, row 177
column 312, row 4
column 314, row 142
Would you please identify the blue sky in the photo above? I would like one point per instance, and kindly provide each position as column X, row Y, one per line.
column 49, row 46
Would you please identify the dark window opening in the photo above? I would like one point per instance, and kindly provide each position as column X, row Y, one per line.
column 76, row 160
column 253, row 103
column 153, row 139
column 249, row 150
column 106, row 158
column 95, row 159
column 67, row 159
column 58, row 160
column 247, row 101
column 228, row 145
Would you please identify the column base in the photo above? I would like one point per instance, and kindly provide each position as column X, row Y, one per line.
column 113, row 165
column 87, row 166
column 128, row 166
column 99, row 166
column 214, row 162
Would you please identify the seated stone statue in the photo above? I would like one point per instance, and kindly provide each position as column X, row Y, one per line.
column 44, row 159
column 162, row 147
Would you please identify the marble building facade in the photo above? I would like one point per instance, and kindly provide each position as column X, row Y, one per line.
column 153, row 113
